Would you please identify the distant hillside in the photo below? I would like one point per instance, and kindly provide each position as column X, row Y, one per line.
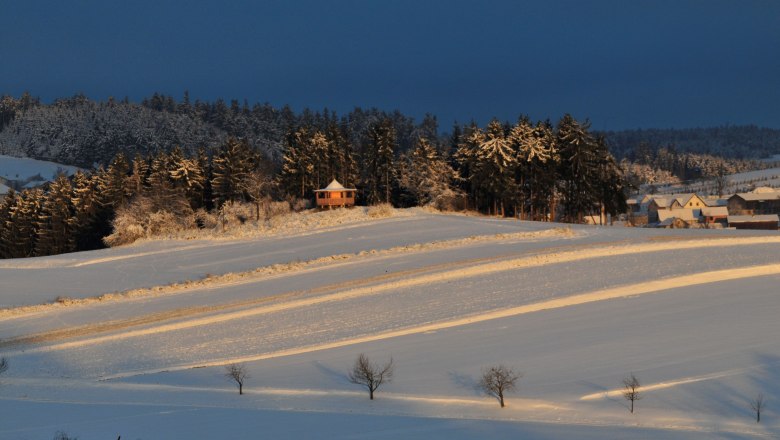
column 736, row 142
column 82, row 132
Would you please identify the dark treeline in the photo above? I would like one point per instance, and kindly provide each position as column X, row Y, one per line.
column 746, row 142
column 528, row 170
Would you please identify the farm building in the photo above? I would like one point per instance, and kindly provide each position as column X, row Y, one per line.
column 768, row 221
column 716, row 214
column 758, row 202
column 335, row 195
column 672, row 202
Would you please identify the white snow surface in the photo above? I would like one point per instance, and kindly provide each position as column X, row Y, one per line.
column 23, row 168
column 691, row 313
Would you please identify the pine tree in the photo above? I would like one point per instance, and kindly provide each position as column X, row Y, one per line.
column 427, row 176
column 113, row 187
column 578, row 168
column 537, row 166
column 465, row 158
column 379, row 174
column 233, row 161
column 85, row 207
column 140, row 175
column 298, row 164
column 610, row 182
column 21, row 235
column 7, row 205
column 495, row 167
column 56, row 220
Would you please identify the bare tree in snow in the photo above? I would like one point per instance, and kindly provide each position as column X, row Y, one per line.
column 257, row 185
column 3, row 365
column 497, row 380
column 757, row 405
column 371, row 376
column 631, row 390
column 238, row 374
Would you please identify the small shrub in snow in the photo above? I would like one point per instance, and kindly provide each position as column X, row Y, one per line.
column 205, row 219
column 235, row 213
column 498, row 380
column 299, row 205
column 370, row 375
column 631, row 390
column 238, row 374
column 757, row 405
column 127, row 229
column 380, row 211
column 144, row 218
column 276, row 209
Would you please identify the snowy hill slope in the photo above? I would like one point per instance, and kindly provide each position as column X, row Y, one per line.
column 691, row 313
column 26, row 170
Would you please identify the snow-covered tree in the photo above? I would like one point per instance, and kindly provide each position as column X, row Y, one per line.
column 578, row 168
column 298, row 164
column 494, row 168
column 379, row 172
column 233, row 161
column 428, row 177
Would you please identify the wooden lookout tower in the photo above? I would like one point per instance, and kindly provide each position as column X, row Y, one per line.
column 335, row 195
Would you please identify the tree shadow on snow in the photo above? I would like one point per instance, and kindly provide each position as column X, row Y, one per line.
column 465, row 381
column 337, row 376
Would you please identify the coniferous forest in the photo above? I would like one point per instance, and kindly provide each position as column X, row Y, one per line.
column 178, row 158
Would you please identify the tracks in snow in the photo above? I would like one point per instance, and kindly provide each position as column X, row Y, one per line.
column 200, row 316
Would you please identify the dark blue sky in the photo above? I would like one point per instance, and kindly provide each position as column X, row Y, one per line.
column 622, row 63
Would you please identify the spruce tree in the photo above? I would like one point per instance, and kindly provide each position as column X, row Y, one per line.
column 232, row 163
column 379, row 173
column 7, row 206
column 56, row 220
column 578, row 168
column 495, row 167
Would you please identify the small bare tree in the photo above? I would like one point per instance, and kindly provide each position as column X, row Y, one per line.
column 238, row 374
column 631, row 390
column 257, row 185
column 497, row 380
column 3, row 365
column 370, row 375
column 757, row 405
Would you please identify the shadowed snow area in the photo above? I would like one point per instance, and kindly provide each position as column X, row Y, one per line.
column 691, row 313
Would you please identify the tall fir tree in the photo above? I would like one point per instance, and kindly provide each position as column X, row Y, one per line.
column 56, row 220
column 578, row 168
column 232, row 163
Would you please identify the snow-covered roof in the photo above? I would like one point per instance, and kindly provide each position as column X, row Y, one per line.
column 663, row 201
column 753, row 218
column 714, row 211
column 757, row 197
column 714, row 201
column 334, row 185
column 666, row 200
column 686, row 214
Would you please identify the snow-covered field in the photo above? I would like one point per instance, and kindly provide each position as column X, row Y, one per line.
column 739, row 182
column 692, row 313
column 24, row 169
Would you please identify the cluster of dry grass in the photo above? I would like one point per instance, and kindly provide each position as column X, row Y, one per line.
column 237, row 220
